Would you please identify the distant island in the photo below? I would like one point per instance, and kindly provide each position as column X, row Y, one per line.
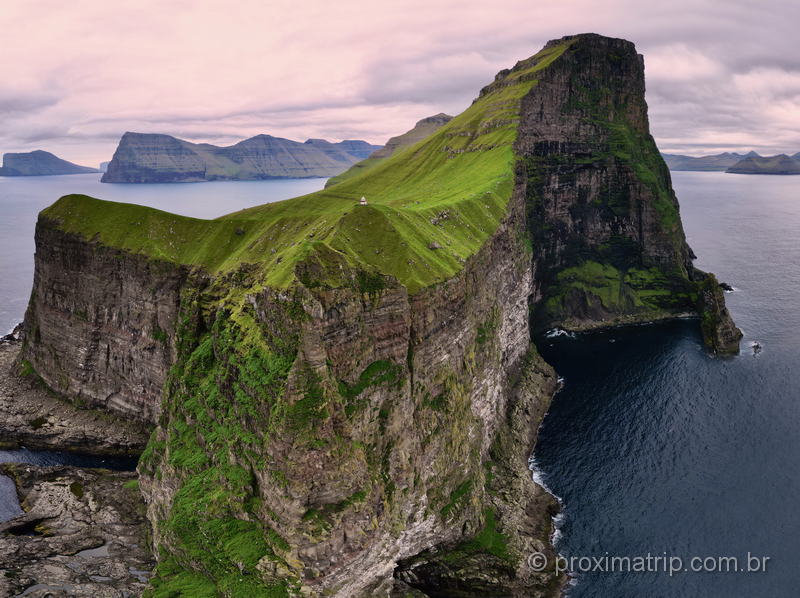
column 717, row 162
column 423, row 129
column 104, row 166
column 39, row 163
column 780, row 164
column 749, row 163
column 157, row 158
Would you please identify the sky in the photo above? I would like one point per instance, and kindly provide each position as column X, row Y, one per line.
column 721, row 75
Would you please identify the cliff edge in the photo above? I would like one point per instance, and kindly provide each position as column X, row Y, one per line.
column 351, row 392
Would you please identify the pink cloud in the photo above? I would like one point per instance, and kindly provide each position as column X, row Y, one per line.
column 80, row 74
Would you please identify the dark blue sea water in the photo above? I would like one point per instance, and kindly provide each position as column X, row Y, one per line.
column 22, row 198
column 656, row 447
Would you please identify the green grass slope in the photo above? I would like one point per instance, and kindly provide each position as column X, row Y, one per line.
column 423, row 129
column 448, row 191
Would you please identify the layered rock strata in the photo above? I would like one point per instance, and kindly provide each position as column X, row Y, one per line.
column 351, row 392
column 156, row 158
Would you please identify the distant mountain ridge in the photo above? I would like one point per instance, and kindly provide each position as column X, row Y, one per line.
column 39, row 163
column 780, row 164
column 158, row 158
column 424, row 128
column 717, row 162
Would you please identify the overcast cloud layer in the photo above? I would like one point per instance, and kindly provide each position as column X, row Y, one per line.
column 721, row 75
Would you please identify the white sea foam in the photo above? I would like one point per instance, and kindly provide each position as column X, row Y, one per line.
column 558, row 519
column 556, row 332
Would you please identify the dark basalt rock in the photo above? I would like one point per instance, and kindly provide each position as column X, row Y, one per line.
column 719, row 331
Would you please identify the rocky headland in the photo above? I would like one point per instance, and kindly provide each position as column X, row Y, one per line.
column 345, row 396
column 780, row 164
column 156, row 158
column 39, row 163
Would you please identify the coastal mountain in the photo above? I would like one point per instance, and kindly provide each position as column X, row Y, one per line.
column 421, row 130
column 39, row 163
column 780, row 164
column 717, row 162
column 104, row 166
column 346, row 393
column 156, row 158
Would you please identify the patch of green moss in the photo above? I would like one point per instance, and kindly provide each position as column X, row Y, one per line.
column 159, row 334
column 457, row 498
column 311, row 407
column 487, row 329
column 224, row 387
column 489, row 540
column 378, row 373
column 26, row 369
column 77, row 489
column 38, row 422
column 643, row 290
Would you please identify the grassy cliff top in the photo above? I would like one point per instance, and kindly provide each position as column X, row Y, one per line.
column 430, row 206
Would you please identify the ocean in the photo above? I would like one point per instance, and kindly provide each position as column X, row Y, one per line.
column 22, row 198
column 655, row 447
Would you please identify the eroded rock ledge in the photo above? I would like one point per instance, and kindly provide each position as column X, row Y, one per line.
column 33, row 416
column 83, row 534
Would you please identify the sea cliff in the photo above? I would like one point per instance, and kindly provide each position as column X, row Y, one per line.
column 351, row 392
column 156, row 158
column 780, row 164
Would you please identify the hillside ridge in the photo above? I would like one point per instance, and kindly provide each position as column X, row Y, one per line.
column 160, row 158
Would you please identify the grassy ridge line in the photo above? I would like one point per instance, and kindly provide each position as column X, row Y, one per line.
column 449, row 190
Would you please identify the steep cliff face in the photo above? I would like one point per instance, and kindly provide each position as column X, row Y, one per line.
column 155, row 158
column 101, row 322
column 603, row 216
column 39, row 163
column 424, row 128
column 354, row 391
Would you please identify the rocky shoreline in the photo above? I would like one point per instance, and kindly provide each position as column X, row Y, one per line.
column 34, row 417
column 83, row 534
